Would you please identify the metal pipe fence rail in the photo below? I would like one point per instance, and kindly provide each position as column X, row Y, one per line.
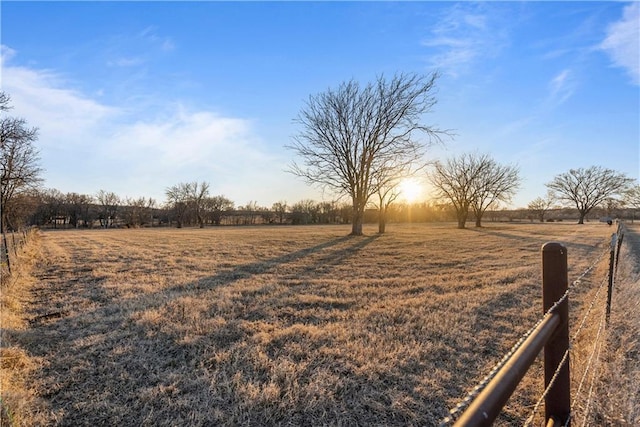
column 10, row 246
column 549, row 335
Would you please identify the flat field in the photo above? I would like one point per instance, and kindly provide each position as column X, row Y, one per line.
column 285, row 325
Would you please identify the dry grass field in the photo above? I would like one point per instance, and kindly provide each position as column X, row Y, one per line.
column 266, row 326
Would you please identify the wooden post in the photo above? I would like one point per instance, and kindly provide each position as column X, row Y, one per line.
column 554, row 285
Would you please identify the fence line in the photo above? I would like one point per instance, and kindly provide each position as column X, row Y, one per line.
column 464, row 404
column 10, row 247
column 598, row 344
column 485, row 401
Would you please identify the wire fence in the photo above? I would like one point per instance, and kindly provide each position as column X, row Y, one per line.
column 11, row 245
column 485, row 401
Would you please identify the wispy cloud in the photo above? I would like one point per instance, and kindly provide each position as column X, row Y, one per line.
column 151, row 34
column 622, row 42
column 42, row 98
column 137, row 49
column 464, row 35
column 562, row 86
column 126, row 62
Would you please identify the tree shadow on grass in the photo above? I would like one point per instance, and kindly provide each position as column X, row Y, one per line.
column 330, row 257
column 540, row 241
column 112, row 364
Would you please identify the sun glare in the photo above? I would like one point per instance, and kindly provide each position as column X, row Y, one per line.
column 410, row 189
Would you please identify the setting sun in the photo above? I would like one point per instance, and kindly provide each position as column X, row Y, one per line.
column 410, row 189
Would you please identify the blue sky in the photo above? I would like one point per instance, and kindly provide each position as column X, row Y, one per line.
column 133, row 97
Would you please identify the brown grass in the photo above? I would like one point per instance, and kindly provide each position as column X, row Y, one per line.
column 284, row 325
column 15, row 362
column 617, row 396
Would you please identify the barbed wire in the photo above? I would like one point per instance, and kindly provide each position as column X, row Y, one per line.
column 455, row 413
column 584, row 318
column 598, row 343
column 565, row 358
column 573, row 339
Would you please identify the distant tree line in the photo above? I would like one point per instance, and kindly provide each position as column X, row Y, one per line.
column 51, row 208
column 187, row 205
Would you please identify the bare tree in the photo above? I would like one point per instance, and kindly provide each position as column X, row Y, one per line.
column 354, row 135
column 386, row 196
column 216, row 206
column 454, row 181
column 188, row 201
column 50, row 206
column 280, row 209
column 251, row 211
column 541, row 205
column 197, row 195
column 494, row 183
column 632, row 199
column 587, row 188
column 5, row 99
column 304, row 212
column 109, row 203
column 78, row 207
column 328, row 212
column 139, row 212
column 19, row 160
column 178, row 201
column 473, row 182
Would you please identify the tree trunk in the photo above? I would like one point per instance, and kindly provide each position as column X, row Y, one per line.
column 462, row 219
column 357, row 220
column 583, row 213
column 382, row 221
column 356, row 227
column 478, row 221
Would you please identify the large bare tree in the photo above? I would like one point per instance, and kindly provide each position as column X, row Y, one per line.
column 473, row 182
column 587, row 188
column 355, row 138
column 19, row 161
column 494, row 183
column 453, row 182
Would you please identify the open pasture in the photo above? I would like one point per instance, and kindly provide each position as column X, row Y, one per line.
column 285, row 325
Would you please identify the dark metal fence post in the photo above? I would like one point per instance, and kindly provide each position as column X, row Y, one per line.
column 13, row 243
column 612, row 254
column 620, row 238
column 6, row 251
column 554, row 286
